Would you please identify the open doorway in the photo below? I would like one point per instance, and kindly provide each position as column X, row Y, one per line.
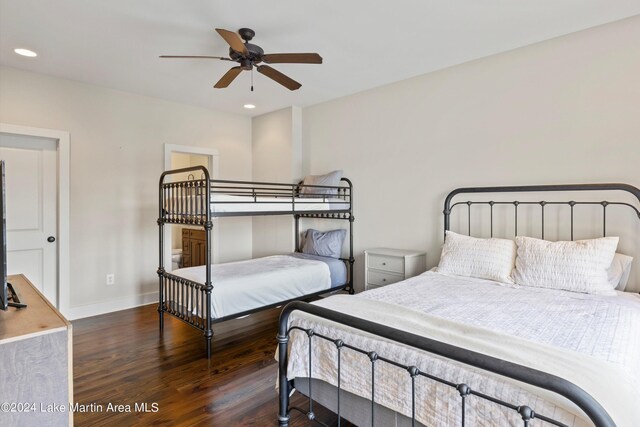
column 185, row 244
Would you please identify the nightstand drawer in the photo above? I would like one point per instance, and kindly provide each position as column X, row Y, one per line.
column 380, row 278
column 387, row 263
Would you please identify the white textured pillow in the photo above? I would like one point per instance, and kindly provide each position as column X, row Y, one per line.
column 491, row 259
column 579, row 266
column 619, row 271
column 332, row 179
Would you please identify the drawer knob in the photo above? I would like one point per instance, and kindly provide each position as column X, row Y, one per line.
column 384, row 263
column 384, row 280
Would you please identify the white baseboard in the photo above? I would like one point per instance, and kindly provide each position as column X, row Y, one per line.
column 123, row 303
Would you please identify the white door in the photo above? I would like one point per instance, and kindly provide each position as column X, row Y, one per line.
column 31, row 190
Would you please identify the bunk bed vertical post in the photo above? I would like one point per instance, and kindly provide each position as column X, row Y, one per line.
column 351, row 258
column 351, row 220
column 208, row 287
column 297, row 231
column 161, row 253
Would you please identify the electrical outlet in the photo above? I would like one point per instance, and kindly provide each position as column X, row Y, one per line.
column 111, row 278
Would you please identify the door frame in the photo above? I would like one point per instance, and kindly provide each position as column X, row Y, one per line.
column 63, row 150
column 213, row 155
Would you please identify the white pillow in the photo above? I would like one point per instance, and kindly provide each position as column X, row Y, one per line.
column 619, row 271
column 579, row 266
column 332, row 179
column 491, row 259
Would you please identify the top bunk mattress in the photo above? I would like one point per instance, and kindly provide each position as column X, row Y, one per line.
column 229, row 203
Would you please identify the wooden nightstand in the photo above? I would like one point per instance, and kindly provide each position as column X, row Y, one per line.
column 384, row 266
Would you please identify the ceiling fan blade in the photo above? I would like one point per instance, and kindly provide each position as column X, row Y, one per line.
column 292, row 58
column 228, row 77
column 233, row 39
column 195, row 57
column 278, row 77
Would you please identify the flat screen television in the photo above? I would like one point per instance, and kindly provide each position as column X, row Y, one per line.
column 8, row 296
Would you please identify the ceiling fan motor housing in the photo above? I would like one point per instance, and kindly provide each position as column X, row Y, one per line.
column 254, row 53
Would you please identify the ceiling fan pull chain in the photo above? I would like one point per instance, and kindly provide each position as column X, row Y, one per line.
column 251, row 79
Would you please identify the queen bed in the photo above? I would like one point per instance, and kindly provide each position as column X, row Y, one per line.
column 445, row 349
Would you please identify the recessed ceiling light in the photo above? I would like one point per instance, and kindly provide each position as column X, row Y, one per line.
column 26, row 52
column 249, row 106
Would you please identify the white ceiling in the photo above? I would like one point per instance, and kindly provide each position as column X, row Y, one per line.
column 365, row 44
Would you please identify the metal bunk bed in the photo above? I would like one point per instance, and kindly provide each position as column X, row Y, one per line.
column 196, row 202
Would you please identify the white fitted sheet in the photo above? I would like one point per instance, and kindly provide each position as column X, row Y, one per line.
column 227, row 203
column 590, row 340
column 246, row 285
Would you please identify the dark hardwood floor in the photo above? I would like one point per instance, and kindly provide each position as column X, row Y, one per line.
column 119, row 358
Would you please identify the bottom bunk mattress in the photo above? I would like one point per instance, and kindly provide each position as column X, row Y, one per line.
column 590, row 340
column 246, row 285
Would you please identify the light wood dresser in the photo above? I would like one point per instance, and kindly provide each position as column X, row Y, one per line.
column 36, row 371
column 384, row 266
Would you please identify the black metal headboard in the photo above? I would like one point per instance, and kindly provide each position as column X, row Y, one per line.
column 448, row 206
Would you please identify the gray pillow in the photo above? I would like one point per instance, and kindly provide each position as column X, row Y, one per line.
column 331, row 179
column 327, row 244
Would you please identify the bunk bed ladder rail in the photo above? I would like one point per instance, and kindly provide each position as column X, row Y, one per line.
column 543, row 380
column 186, row 202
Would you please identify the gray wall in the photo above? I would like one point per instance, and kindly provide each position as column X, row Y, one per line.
column 277, row 157
column 562, row 111
column 117, row 149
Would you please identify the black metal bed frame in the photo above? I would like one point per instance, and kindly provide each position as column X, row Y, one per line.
column 189, row 203
column 596, row 413
column 448, row 206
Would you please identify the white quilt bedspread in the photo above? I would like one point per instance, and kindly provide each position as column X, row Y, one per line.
column 245, row 285
column 592, row 341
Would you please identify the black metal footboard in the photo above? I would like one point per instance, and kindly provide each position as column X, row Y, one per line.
column 570, row 391
column 184, row 299
column 186, row 203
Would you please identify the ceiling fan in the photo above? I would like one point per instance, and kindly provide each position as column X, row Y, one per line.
column 249, row 55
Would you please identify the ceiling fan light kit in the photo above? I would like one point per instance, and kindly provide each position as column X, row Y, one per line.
column 249, row 55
